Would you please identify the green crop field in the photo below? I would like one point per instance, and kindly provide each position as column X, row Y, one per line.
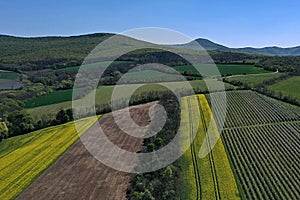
column 90, row 66
column 151, row 76
column 210, row 177
column 224, row 69
column 24, row 158
column 103, row 96
column 51, row 98
column 261, row 136
column 9, row 75
column 288, row 87
column 254, row 79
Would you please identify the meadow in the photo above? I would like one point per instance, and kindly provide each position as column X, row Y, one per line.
column 253, row 80
column 103, row 96
column 288, row 87
column 147, row 76
column 90, row 66
column 24, row 158
column 224, row 69
column 51, row 98
column 9, row 75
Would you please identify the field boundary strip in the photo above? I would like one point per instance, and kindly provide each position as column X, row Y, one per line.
column 193, row 153
column 263, row 124
column 210, row 155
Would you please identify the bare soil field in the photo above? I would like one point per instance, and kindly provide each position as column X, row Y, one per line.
column 78, row 175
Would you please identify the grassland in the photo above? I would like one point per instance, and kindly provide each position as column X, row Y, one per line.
column 254, row 79
column 103, row 96
column 9, row 75
column 225, row 69
column 90, row 66
column 24, row 158
column 51, row 98
column 151, row 76
column 210, row 177
column 104, row 92
column 288, row 87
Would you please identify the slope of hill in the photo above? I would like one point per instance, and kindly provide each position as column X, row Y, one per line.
column 32, row 53
column 273, row 51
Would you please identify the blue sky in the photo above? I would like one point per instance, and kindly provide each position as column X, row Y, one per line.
column 234, row 23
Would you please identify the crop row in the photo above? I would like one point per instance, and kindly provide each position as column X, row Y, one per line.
column 266, row 159
column 246, row 108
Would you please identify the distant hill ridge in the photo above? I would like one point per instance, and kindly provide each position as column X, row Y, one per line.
column 32, row 53
column 274, row 51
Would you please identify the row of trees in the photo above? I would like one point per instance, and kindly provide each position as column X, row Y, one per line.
column 160, row 184
column 20, row 122
column 283, row 64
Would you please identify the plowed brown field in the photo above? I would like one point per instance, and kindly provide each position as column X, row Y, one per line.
column 78, row 175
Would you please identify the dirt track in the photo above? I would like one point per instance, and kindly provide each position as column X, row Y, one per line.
column 77, row 175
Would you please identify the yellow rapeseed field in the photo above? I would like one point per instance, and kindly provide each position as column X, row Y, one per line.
column 210, row 177
column 24, row 158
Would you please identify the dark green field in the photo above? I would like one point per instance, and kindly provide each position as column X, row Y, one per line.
column 90, row 66
column 51, row 98
column 9, row 75
column 225, row 69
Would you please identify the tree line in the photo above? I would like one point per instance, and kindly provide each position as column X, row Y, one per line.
column 160, row 184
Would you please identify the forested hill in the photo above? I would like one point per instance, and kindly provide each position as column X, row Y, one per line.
column 40, row 52
column 30, row 54
column 36, row 53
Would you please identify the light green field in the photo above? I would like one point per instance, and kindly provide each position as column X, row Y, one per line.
column 289, row 87
column 24, row 158
column 254, row 79
column 151, row 76
column 210, row 177
column 104, row 93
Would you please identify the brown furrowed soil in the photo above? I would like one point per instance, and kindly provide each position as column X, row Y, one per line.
column 78, row 175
